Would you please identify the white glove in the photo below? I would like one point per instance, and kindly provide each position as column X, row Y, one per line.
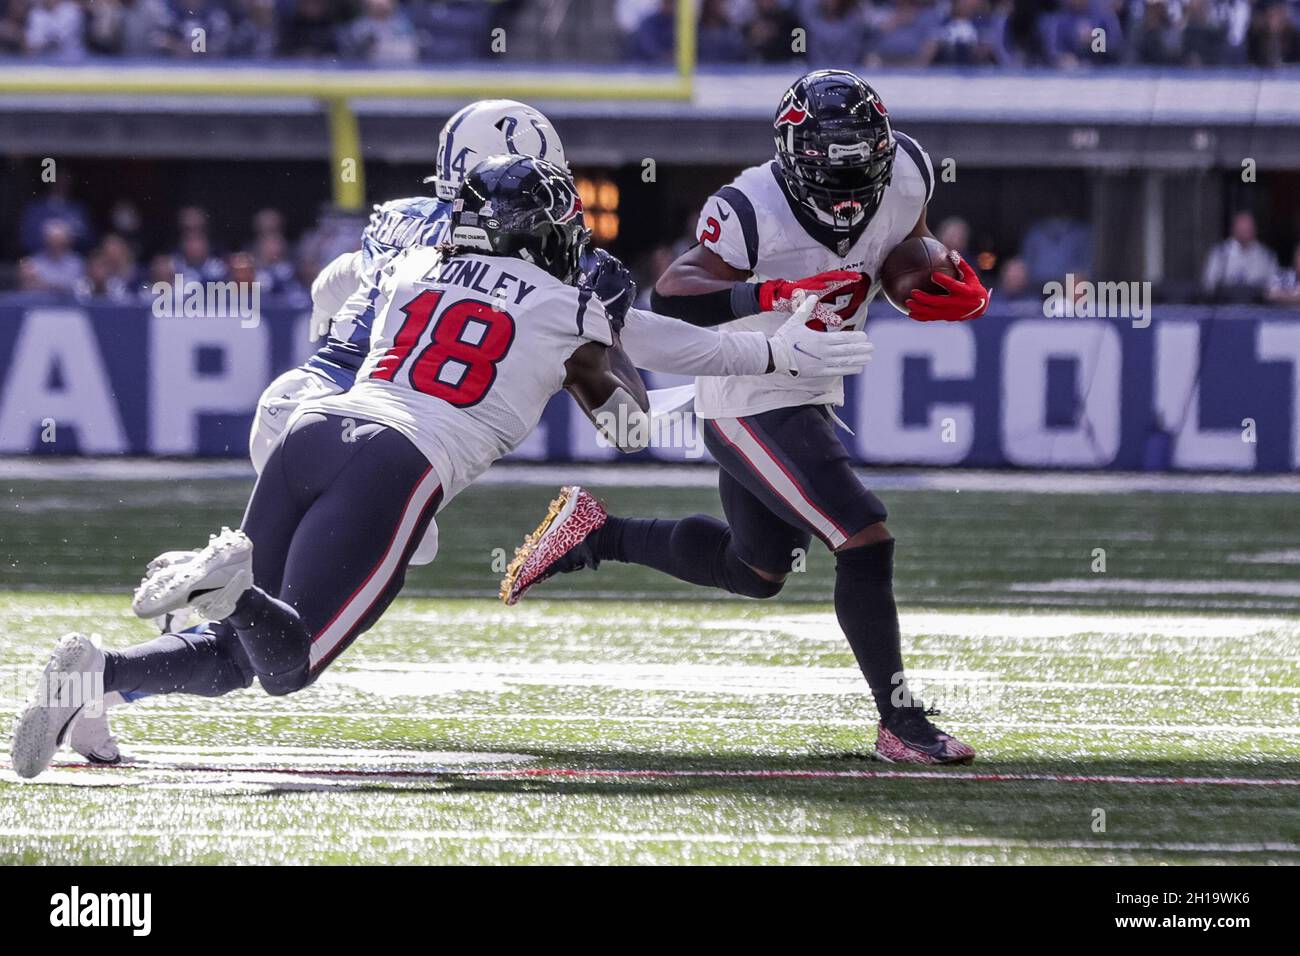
column 800, row 351
column 320, row 324
column 331, row 289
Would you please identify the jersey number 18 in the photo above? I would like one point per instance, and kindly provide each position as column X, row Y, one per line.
column 459, row 364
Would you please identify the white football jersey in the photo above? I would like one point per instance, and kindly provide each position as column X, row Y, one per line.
column 465, row 354
column 751, row 224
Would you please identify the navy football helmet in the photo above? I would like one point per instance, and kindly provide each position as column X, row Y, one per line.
column 835, row 147
column 522, row 207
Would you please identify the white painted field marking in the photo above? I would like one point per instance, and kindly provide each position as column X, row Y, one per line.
column 1037, row 625
column 228, row 769
column 433, row 679
column 1053, row 728
column 275, row 755
column 1290, row 556
column 1104, row 585
column 634, row 837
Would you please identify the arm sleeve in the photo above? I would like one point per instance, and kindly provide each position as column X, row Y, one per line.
column 660, row 344
column 336, row 282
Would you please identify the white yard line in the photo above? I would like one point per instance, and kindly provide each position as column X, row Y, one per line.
column 1195, row 586
column 865, row 722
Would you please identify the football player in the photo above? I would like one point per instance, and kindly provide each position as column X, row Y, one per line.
column 844, row 189
column 455, row 378
column 348, row 294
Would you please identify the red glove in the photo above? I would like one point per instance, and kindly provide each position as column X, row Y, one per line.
column 778, row 295
column 966, row 298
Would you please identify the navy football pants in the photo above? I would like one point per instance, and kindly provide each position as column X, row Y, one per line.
column 784, row 477
column 334, row 518
column 336, row 514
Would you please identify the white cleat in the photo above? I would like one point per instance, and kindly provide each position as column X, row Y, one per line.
column 210, row 583
column 176, row 621
column 90, row 736
column 169, row 559
column 72, row 680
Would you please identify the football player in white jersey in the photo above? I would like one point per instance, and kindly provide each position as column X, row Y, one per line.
column 844, row 189
column 472, row 343
column 348, row 295
column 345, row 296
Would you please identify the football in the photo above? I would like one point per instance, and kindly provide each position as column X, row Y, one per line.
column 909, row 265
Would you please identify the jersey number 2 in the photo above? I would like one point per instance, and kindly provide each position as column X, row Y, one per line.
column 459, row 364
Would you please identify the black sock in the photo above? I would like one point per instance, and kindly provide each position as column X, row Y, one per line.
column 864, row 604
column 207, row 663
column 697, row 550
column 275, row 640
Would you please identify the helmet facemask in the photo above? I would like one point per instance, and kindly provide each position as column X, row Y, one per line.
column 841, row 183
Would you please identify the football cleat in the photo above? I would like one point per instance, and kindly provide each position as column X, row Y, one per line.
column 907, row 736
column 169, row 559
column 211, row 583
column 176, row 620
column 72, row 680
column 559, row 545
column 89, row 734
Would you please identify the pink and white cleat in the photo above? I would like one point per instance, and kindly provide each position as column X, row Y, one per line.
column 558, row 545
column 907, row 736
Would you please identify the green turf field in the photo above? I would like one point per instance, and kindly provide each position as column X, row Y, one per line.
column 633, row 719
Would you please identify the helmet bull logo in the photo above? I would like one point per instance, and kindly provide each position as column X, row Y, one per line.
column 794, row 114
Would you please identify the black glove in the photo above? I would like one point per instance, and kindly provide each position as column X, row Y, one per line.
column 612, row 283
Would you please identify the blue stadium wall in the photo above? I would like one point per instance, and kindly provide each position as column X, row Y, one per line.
column 1201, row 388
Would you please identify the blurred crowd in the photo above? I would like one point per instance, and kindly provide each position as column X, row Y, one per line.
column 389, row 32
column 67, row 256
column 1060, row 33
column 915, row 33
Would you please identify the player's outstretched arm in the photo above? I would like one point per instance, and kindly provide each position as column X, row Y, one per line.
column 661, row 343
column 664, row 344
column 609, row 389
column 331, row 288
